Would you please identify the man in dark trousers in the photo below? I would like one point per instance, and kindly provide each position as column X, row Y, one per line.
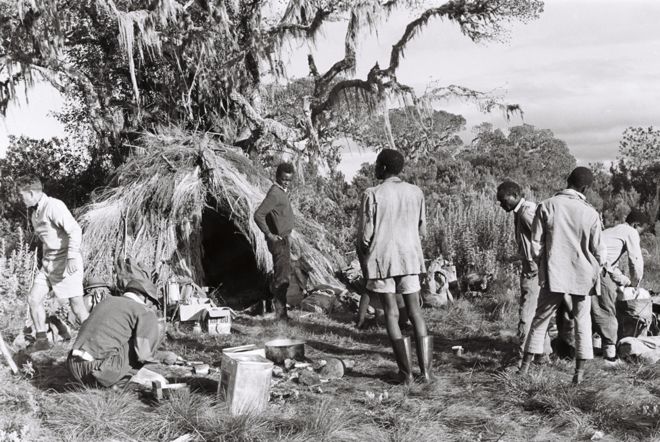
column 275, row 218
column 620, row 239
column 391, row 223
column 119, row 337
column 510, row 197
column 567, row 241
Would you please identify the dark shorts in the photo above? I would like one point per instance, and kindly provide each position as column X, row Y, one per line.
column 281, row 251
column 103, row 372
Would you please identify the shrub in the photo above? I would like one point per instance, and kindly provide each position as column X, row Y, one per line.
column 17, row 270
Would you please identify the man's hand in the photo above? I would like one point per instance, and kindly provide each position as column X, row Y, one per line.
column 533, row 270
column 71, row 266
column 166, row 357
column 274, row 238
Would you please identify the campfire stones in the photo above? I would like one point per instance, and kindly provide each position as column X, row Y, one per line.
column 309, row 378
column 333, row 369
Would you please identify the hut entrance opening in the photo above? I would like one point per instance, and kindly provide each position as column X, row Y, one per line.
column 229, row 262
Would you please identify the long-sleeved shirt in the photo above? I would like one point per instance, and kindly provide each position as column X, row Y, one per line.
column 523, row 218
column 625, row 238
column 58, row 231
column 392, row 219
column 116, row 321
column 275, row 214
column 566, row 238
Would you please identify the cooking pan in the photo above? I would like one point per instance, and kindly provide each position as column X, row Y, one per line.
column 278, row 350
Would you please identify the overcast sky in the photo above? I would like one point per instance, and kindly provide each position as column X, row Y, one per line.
column 587, row 69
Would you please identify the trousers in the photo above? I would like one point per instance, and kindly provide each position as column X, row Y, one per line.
column 529, row 296
column 548, row 304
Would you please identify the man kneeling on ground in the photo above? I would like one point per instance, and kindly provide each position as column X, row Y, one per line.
column 119, row 337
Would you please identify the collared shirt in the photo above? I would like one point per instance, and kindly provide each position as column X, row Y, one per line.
column 523, row 216
column 625, row 238
column 566, row 237
column 134, row 297
column 58, row 231
column 275, row 214
column 392, row 219
column 519, row 205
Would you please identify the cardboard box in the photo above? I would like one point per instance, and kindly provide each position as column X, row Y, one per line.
column 193, row 312
column 218, row 320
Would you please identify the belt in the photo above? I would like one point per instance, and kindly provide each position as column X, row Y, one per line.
column 82, row 354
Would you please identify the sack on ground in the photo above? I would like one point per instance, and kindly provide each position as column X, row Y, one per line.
column 634, row 317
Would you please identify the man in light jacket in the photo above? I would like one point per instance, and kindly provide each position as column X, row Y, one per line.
column 618, row 240
column 566, row 238
column 392, row 219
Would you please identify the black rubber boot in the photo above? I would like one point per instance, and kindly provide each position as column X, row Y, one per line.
column 425, row 357
column 279, row 303
column 402, row 355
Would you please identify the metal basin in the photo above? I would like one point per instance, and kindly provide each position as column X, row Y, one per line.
column 278, row 350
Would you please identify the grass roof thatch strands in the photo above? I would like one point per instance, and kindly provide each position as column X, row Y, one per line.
column 154, row 212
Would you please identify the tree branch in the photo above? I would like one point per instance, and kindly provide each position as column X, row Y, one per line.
column 277, row 129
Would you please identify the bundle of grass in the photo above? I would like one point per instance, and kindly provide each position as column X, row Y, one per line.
column 154, row 209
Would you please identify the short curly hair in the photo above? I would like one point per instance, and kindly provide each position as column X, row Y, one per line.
column 637, row 217
column 508, row 188
column 581, row 177
column 392, row 160
column 284, row 168
column 29, row 182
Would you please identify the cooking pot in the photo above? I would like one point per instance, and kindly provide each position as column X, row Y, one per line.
column 279, row 350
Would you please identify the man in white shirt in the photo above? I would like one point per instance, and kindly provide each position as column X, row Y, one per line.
column 61, row 268
column 566, row 238
column 618, row 240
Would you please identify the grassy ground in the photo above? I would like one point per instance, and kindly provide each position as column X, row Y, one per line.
column 477, row 396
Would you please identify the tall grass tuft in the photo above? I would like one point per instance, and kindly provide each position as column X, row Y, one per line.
column 17, row 269
column 477, row 235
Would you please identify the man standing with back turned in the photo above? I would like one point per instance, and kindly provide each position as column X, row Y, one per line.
column 566, row 238
column 393, row 216
column 618, row 240
column 275, row 218
column 61, row 268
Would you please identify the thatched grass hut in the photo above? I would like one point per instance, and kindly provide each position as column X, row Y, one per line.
column 183, row 207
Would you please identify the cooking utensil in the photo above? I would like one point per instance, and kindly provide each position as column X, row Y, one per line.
column 279, row 350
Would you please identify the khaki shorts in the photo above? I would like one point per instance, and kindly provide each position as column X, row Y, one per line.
column 405, row 285
column 52, row 276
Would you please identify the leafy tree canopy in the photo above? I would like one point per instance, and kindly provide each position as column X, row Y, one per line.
column 133, row 65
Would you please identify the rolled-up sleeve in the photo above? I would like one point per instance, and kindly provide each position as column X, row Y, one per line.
column 422, row 218
column 147, row 337
column 596, row 244
column 635, row 258
column 538, row 233
column 366, row 222
column 62, row 218
column 264, row 209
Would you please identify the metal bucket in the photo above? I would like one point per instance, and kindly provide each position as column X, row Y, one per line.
column 279, row 350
